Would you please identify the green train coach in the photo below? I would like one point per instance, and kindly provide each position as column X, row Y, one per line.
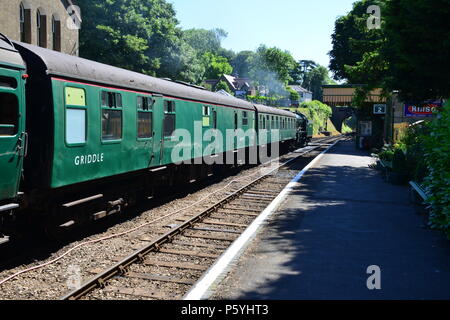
column 97, row 138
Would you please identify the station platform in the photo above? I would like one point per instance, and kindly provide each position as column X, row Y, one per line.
column 341, row 218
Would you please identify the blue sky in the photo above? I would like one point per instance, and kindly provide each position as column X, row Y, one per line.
column 302, row 27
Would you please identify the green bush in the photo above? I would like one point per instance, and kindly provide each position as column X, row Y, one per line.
column 386, row 155
column 414, row 140
column 437, row 158
column 222, row 85
column 399, row 163
column 318, row 113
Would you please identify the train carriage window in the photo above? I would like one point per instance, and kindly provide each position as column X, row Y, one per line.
column 244, row 118
column 145, row 108
column 111, row 124
column 169, row 107
column 206, row 116
column 75, row 126
column 8, row 82
column 169, row 124
column 111, row 116
column 215, row 119
column 75, row 99
column 111, row 99
column 75, row 96
column 9, row 108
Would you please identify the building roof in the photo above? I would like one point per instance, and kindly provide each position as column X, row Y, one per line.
column 299, row 89
column 341, row 95
column 234, row 83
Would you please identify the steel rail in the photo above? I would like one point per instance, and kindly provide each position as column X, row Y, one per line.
column 120, row 268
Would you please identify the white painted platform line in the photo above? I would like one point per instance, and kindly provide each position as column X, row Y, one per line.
column 201, row 290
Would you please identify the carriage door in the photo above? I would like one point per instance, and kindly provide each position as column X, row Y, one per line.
column 236, row 126
column 168, row 129
column 157, row 115
column 12, row 135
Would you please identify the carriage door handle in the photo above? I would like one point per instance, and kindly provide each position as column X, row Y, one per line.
column 22, row 147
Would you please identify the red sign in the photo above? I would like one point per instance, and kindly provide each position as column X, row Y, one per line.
column 421, row 110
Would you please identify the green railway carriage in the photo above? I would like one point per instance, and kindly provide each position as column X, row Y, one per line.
column 104, row 121
column 12, row 123
column 101, row 137
column 275, row 125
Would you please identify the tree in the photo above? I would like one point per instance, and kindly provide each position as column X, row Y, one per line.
column 222, row 85
column 271, row 68
column 203, row 41
column 216, row 66
column 139, row 35
column 352, row 39
column 294, row 95
column 296, row 74
column 417, row 47
column 408, row 53
column 314, row 79
column 242, row 63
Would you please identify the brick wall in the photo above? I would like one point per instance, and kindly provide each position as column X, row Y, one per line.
column 10, row 22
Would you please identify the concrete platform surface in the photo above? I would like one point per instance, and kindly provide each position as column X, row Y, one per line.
column 341, row 219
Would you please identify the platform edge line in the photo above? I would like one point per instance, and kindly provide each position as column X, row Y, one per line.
column 201, row 290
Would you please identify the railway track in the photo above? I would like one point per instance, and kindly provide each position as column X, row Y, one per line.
column 167, row 266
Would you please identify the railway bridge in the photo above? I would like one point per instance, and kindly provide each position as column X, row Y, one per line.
column 340, row 99
column 340, row 114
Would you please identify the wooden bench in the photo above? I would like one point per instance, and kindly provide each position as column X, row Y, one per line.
column 386, row 167
column 416, row 189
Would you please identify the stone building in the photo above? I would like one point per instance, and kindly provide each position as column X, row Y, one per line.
column 50, row 24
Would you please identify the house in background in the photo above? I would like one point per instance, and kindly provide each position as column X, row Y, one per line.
column 305, row 95
column 45, row 23
column 239, row 86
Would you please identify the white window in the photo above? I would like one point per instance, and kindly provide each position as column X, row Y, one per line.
column 75, row 126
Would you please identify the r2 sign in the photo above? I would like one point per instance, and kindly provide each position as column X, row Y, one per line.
column 379, row 109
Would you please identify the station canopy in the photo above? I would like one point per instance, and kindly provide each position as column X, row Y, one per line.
column 342, row 95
